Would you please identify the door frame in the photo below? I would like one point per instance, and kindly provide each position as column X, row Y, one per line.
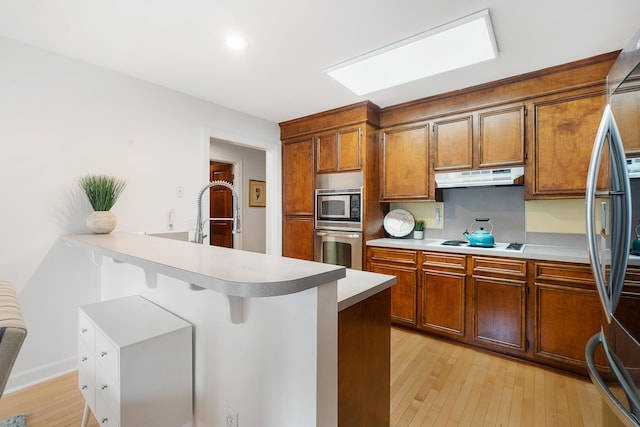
column 273, row 176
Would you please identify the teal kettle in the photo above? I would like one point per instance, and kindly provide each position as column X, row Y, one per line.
column 635, row 248
column 483, row 238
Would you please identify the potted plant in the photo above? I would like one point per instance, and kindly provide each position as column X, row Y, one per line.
column 418, row 229
column 103, row 192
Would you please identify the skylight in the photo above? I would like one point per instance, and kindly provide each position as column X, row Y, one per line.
column 460, row 43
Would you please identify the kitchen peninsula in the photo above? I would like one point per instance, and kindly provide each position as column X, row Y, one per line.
column 269, row 339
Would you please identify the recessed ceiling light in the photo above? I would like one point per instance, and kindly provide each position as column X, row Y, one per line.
column 236, row 42
column 460, row 43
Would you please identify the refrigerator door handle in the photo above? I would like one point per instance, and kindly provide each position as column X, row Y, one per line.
column 621, row 206
column 591, row 189
column 619, row 195
column 612, row 401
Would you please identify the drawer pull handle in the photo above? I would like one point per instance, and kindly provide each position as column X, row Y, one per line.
column 105, row 420
column 84, row 330
column 84, row 358
column 104, row 387
column 84, row 387
column 103, row 354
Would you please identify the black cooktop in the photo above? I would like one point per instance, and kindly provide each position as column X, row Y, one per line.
column 454, row 242
column 512, row 246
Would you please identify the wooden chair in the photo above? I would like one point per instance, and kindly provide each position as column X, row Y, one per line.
column 12, row 331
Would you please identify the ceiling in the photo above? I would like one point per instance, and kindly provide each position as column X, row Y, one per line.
column 181, row 44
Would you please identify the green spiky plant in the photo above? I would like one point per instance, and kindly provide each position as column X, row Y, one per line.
column 419, row 225
column 102, row 190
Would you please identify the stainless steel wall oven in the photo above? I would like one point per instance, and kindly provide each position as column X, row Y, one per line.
column 339, row 248
column 338, row 234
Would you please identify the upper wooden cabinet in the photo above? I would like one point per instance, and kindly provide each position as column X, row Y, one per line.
column 338, row 141
column 563, row 135
column 297, row 177
column 339, row 151
column 405, row 164
column 480, row 139
column 501, row 137
column 453, row 143
column 625, row 104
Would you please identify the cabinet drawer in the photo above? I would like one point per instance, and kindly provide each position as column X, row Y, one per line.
column 86, row 386
column 104, row 414
column 394, row 255
column 108, row 390
column 564, row 273
column 86, row 360
column 107, row 355
column 86, row 330
column 632, row 280
column 444, row 260
column 502, row 266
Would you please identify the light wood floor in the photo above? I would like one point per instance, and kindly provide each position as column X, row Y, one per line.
column 436, row 383
column 433, row 383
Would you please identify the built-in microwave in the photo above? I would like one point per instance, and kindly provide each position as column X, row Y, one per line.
column 339, row 209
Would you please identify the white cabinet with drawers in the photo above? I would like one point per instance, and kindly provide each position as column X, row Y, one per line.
column 135, row 364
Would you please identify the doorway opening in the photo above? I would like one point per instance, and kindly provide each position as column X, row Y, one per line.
column 220, row 206
column 253, row 159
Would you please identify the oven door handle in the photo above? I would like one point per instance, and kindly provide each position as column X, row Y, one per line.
column 344, row 236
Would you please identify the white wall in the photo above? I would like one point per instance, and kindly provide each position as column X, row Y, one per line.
column 249, row 164
column 61, row 119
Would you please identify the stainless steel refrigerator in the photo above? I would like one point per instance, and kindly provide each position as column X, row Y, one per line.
column 613, row 354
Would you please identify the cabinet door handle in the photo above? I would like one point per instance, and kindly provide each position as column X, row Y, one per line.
column 103, row 354
column 84, row 358
column 103, row 387
column 105, row 421
column 84, row 387
column 83, row 330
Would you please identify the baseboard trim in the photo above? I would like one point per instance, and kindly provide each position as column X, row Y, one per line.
column 20, row 380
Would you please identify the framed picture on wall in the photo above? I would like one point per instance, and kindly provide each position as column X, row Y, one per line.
column 257, row 193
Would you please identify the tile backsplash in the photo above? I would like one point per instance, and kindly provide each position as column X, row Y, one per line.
column 504, row 206
column 549, row 222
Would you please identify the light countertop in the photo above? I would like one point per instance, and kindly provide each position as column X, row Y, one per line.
column 230, row 271
column 537, row 252
column 360, row 285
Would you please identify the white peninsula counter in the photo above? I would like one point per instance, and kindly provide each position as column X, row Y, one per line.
column 266, row 328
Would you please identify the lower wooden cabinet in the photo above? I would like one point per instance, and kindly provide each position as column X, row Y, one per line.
column 297, row 236
column 541, row 311
column 442, row 294
column 499, row 298
column 499, row 312
column 404, row 265
column 567, row 313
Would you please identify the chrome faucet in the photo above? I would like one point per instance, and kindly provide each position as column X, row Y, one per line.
column 199, row 235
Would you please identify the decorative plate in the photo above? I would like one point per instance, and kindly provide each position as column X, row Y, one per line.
column 399, row 223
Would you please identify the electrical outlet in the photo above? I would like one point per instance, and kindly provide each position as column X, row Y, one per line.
column 191, row 223
column 232, row 417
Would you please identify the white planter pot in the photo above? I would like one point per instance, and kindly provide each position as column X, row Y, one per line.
column 418, row 235
column 101, row 222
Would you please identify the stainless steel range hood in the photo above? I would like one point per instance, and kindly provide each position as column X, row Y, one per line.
column 481, row 178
